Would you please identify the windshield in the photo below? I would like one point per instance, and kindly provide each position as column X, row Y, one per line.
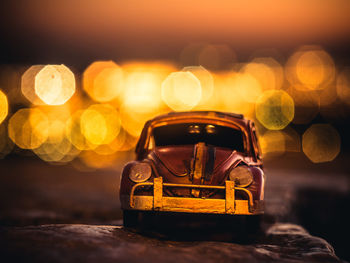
column 192, row 133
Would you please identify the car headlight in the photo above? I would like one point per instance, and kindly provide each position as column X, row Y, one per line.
column 241, row 176
column 140, row 172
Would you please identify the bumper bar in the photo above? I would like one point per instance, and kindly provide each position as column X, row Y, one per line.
column 158, row 202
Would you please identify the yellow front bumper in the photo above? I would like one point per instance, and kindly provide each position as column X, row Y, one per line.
column 158, row 202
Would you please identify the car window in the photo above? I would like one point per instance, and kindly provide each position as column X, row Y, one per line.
column 192, row 133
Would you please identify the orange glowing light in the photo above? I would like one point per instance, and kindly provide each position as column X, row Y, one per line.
column 267, row 71
column 54, row 151
column 272, row 143
column 103, row 80
column 181, row 91
column 321, row 143
column 247, row 86
column 206, row 80
column 74, row 133
column 310, row 67
column 94, row 160
column 343, row 86
column 141, row 97
column 100, row 124
column 292, row 140
column 274, row 109
column 306, row 105
column 134, row 114
column 3, row 106
column 28, row 128
column 227, row 97
column 6, row 145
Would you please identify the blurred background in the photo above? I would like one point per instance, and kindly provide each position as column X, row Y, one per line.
column 78, row 80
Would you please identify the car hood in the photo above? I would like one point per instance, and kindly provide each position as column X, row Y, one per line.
column 176, row 164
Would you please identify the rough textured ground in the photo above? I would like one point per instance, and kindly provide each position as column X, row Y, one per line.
column 89, row 243
column 60, row 214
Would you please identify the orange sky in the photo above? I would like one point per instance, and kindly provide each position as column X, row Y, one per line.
column 240, row 20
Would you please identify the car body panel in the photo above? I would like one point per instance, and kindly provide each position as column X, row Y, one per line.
column 195, row 177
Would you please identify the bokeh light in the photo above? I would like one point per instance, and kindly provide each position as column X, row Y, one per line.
column 181, row 91
column 292, row 140
column 134, row 114
column 321, row 143
column 311, row 67
column 267, row 81
column 227, row 97
column 272, row 143
column 3, row 106
column 28, row 128
column 306, row 105
column 206, row 80
column 74, row 133
column 100, row 124
column 274, row 109
column 51, row 84
column 266, row 71
column 136, row 91
column 212, row 57
column 247, row 86
column 141, row 97
column 6, row 144
column 28, row 84
column 103, row 80
column 96, row 161
column 343, row 85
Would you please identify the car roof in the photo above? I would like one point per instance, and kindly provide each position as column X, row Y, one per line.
column 224, row 118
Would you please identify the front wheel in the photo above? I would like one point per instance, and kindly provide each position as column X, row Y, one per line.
column 130, row 218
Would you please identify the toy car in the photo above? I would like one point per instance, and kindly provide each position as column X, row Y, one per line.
column 194, row 162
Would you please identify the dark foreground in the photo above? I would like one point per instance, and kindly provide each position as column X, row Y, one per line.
column 92, row 243
column 54, row 213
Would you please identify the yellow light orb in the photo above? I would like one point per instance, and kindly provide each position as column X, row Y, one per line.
column 206, row 80
column 28, row 128
column 274, row 109
column 74, row 133
column 321, row 143
column 54, row 84
column 53, row 151
column 103, row 80
column 181, row 91
column 100, row 124
column 3, row 106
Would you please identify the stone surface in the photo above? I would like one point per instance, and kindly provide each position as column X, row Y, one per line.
column 95, row 243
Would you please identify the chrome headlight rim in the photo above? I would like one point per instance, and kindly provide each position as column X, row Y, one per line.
column 241, row 175
column 140, row 172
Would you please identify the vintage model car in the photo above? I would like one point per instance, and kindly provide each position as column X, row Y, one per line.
column 194, row 162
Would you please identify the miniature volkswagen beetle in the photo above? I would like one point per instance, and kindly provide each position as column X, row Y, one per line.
column 194, row 162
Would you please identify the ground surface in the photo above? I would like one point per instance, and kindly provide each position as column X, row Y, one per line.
column 89, row 243
column 61, row 214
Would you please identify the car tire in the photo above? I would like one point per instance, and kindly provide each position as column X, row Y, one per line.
column 130, row 218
